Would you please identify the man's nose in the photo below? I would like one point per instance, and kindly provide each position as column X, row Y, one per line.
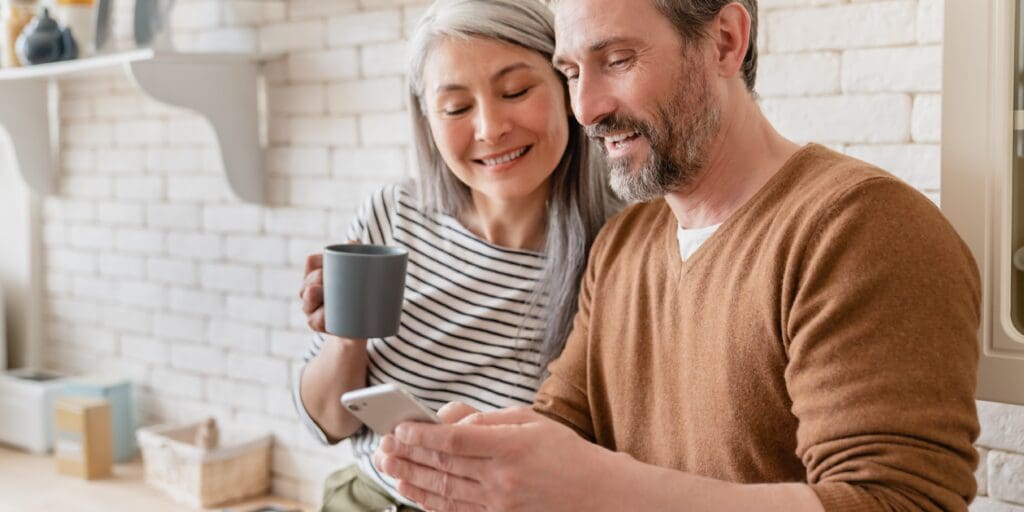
column 591, row 102
column 492, row 124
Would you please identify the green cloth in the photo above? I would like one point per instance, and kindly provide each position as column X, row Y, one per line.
column 349, row 490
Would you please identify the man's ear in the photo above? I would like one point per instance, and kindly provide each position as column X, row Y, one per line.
column 731, row 34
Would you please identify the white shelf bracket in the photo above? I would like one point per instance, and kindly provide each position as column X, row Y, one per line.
column 24, row 117
column 225, row 93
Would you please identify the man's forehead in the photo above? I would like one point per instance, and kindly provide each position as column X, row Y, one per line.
column 580, row 25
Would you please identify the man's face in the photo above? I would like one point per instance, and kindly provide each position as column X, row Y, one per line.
column 640, row 91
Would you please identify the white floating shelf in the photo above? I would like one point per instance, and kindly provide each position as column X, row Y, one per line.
column 220, row 87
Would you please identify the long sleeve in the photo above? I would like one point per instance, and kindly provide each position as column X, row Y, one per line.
column 883, row 354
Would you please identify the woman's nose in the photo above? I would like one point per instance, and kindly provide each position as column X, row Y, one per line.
column 492, row 123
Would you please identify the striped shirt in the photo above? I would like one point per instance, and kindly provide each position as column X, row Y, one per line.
column 467, row 330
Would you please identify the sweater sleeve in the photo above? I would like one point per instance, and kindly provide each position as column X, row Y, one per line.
column 563, row 395
column 882, row 343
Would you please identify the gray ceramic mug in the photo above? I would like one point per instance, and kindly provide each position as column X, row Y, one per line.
column 363, row 289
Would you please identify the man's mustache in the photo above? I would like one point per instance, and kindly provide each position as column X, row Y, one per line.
column 616, row 124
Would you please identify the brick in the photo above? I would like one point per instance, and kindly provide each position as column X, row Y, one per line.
column 171, row 271
column 197, row 358
column 1006, row 476
column 238, row 336
column 385, row 129
column 198, row 302
column 90, row 237
column 384, row 59
column 842, row 119
column 298, row 35
column 364, row 27
column 1001, row 426
column 991, row 505
column 120, row 214
column 279, row 404
column 139, row 241
column 70, row 209
column 295, row 221
column 179, row 327
column 197, row 246
column 981, row 473
column 86, row 187
column 363, row 96
column 323, row 66
column 256, row 249
column 300, row 248
column 88, row 135
column 128, row 319
column 324, row 131
column 309, row 161
column 139, row 187
column 93, row 288
column 281, row 283
column 229, row 39
column 76, row 109
column 929, row 21
column 305, row 9
column 236, row 13
column 384, row 164
column 99, row 340
column 74, row 310
column 261, row 369
column 798, row 74
column 292, row 344
column 237, row 394
column 140, row 293
column 121, row 106
column 197, row 188
column 190, row 130
column 55, row 235
column 71, row 261
column 232, row 219
column 146, row 349
column 139, row 133
column 926, row 118
column 917, row 164
column 232, row 278
column 122, row 265
column 411, row 17
column 198, row 14
column 177, row 384
column 174, row 160
column 298, row 99
column 841, row 27
column 258, row 311
column 917, row 69
column 80, row 161
column 174, row 216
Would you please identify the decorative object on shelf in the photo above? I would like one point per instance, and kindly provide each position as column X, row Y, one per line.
column 119, row 393
column 16, row 14
column 207, row 436
column 152, row 24
column 26, row 408
column 79, row 17
column 238, row 468
column 103, row 40
column 83, row 439
column 43, row 41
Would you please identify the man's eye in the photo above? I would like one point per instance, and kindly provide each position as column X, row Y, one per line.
column 619, row 64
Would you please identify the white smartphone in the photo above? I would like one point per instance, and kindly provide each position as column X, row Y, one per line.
column 384, row 406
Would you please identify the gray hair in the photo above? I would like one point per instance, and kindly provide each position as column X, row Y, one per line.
column 580, row 200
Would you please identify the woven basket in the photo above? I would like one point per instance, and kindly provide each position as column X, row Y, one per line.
column 238, row 469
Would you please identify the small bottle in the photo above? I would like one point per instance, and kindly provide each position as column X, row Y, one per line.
column 16, row 14
column 80, row 17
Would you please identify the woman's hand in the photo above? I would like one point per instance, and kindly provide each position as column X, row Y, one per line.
column 312, row 292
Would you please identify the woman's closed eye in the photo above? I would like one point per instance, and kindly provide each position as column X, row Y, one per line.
column 518, row 94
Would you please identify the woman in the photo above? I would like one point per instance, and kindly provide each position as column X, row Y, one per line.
column 498, row 229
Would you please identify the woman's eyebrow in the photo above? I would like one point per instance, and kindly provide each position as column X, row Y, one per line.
column 497, row 76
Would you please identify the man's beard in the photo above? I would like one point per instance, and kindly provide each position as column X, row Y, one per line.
column 680, row 137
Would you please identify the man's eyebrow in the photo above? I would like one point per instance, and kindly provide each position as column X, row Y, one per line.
column 597, row 46
column 494, row 78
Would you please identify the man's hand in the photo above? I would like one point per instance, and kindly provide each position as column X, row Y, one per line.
column 508, row 460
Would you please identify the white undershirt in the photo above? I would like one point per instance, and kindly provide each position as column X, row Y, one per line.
column 691, row 239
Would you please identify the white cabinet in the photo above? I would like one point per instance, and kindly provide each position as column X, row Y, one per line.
column 222, row 88
column 983, row 174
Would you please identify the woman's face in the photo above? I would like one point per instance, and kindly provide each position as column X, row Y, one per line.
column 498, row 116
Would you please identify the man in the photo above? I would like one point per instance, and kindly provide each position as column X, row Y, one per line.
column 777, row 328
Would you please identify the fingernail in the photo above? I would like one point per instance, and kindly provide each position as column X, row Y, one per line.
column 387, row 444
column 402, row 433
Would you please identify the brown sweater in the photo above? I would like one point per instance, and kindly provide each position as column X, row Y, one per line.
column 826, row 333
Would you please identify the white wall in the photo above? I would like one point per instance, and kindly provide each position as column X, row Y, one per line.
column 155, row 272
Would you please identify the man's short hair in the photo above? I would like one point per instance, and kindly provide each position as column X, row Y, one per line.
column 691, row 18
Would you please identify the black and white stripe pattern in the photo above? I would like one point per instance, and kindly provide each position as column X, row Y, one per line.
column 467, row 331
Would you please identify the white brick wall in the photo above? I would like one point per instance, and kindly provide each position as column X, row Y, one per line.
column 156, row 273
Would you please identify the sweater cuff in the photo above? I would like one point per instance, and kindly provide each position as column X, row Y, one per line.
column 843, row 497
